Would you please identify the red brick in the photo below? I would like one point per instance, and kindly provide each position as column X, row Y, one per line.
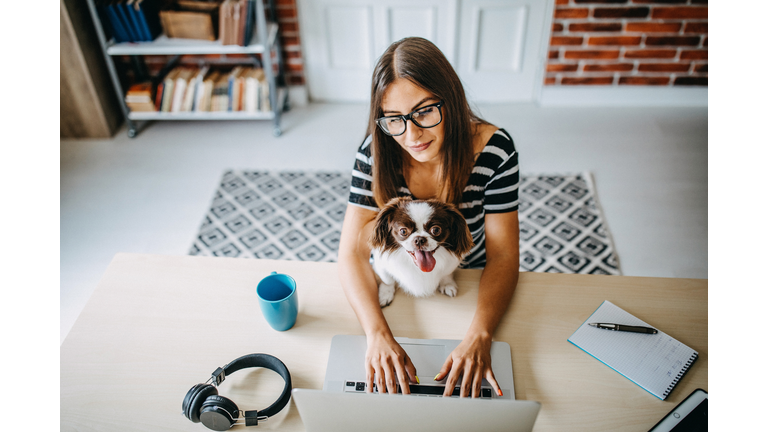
column 600, row 1
column 695, row 27
column 629, row 12
column 664, row 67
column 706, row 40
column 700, row 68
column 296, row 80
column 644, row 53
column 592, row 54
column 614, row 40
column 571, row 13
column 694, row 55
column 288, row 26
column 289, row 40
column 672, row 40
column 553, row 54
column 609, row 67
column 654, row 27
column 660, row 1
column 587, row 80
column 557, row 27
column 680, row 12
column 562, row 67
column 561, row 2
column 286, row 2
column 638, row 80
column 549, row 81
column 294, row 67
column 566, row 40
column 696, row 81
column 594, row 27
column 286, row 13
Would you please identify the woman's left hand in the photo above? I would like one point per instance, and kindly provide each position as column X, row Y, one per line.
column 472, row 360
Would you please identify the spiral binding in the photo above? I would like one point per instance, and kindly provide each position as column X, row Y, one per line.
column 680, row 375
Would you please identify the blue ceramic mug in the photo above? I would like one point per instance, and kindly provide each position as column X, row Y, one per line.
column 278, row 300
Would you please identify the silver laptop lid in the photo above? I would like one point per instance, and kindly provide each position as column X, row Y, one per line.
column 323, row 411
column 346, row 363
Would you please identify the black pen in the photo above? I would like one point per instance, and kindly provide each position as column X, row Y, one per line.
column 626, row 328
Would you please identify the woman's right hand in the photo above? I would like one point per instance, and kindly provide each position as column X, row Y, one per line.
column 387, row 363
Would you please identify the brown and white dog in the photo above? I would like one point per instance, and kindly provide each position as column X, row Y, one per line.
column 418, row 244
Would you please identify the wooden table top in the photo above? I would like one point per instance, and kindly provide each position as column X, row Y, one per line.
column 157, row 325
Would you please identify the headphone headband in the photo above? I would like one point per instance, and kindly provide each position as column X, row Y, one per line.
column 202, row 402
column 265, row 361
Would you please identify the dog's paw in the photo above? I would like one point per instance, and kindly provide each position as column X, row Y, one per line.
column 448, row 289
column 386, row 294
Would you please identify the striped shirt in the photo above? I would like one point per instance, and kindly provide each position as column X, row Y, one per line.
column 491, row 188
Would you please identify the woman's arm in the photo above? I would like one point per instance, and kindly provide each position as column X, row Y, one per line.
column 472, row 358
column 385, row 358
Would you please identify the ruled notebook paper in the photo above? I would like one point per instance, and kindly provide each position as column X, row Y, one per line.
column 655, row 362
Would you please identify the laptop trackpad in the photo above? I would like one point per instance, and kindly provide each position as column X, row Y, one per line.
column 428, row 359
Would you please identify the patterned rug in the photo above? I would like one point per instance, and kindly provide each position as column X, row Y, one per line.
column 298, row 216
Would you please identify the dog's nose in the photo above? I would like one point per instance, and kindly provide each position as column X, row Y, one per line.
column 420, row 241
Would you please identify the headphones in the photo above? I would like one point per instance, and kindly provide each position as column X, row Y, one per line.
column 203, row 403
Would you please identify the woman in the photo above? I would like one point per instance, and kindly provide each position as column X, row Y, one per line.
column 425, row 142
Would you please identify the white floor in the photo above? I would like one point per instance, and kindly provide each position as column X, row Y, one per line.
column 149, row 194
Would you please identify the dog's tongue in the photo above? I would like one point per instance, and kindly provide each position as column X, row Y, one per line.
column 424, row 260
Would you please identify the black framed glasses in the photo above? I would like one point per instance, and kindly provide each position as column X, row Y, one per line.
column 424, row 117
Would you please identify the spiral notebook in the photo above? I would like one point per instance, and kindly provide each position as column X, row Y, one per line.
column 655, row 362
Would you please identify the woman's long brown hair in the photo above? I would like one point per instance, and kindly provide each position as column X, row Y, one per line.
column 421, row 62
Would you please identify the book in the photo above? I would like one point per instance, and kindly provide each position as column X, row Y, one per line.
column 234, row 89
column 208, row 83
column 116, row 22
column 124, row 12
column 180, row 88
column 655, row 362
column 139, row 97
column 220, row 93
column 133, row 14
column 168, row 83
column 198, row 88
column 249, row 23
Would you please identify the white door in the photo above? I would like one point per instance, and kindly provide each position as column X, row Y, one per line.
column 498, row 47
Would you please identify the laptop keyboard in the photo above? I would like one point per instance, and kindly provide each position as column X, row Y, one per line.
column 416, row 389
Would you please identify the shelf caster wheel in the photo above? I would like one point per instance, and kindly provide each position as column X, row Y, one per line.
column 132, row 133
column 277, row 132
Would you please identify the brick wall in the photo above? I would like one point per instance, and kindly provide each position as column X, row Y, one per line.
column 628, row 42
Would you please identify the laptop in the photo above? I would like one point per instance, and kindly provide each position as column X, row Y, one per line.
column 342, row 405
column 345, row 372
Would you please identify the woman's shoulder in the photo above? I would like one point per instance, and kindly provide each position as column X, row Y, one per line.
column 497, row 141
column 365, row 147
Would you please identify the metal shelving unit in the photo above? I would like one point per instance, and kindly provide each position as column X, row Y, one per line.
column 265, row 43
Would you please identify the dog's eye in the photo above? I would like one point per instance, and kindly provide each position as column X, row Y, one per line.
column 435, row 230
column 403, row 232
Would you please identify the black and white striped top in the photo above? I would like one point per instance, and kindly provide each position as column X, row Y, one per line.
column 492, row 188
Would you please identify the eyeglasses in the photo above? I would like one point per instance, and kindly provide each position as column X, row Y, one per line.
column 424, row 117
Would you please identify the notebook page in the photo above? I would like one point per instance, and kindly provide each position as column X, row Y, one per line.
column 655, row 362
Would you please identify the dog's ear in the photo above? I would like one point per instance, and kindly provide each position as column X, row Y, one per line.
column 461, row 236
column 382, row 223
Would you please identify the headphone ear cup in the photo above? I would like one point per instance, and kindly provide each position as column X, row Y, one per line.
column 194, row 399
column 218, row 413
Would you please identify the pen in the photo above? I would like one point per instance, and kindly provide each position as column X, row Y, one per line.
column 626, row 328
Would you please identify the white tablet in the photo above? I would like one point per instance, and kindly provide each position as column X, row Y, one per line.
column 691, row 415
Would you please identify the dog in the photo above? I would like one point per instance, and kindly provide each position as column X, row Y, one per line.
column 418, row 244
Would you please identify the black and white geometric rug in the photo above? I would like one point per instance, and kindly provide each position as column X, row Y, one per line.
column 298, row 216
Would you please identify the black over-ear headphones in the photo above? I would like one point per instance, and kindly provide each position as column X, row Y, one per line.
column 203, row 403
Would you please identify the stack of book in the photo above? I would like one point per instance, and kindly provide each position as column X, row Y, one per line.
column 130, row 20
column 236, row 22
column 140, row 97
column 187, row 89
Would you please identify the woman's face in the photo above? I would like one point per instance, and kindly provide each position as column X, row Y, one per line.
column 403, row 97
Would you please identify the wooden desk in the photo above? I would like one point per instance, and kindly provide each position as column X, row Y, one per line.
column 156, row 325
